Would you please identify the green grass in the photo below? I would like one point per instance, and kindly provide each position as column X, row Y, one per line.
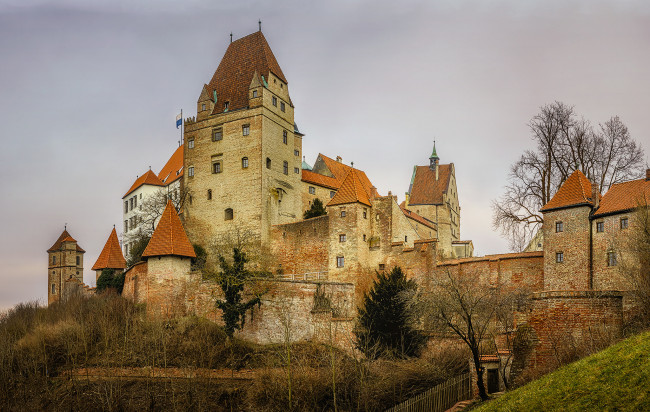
column 615, row 379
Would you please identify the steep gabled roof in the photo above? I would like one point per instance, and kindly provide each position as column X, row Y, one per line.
column 169, row 238
column 339, row 172
column 575, row 191
column 173, row 169
column 111, row 256
column 425, row 189
column 414, row 216
column 65, row 237
column 351, row 191
column 624, row 196
column 243, row 58
column 320, row 180
column 148, row 178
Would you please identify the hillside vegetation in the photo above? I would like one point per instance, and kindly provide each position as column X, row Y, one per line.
column 615, row 379
column 104, row 353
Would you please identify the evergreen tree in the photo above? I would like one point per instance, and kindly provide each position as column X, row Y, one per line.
column 109, row 280
column 385, row 322
column 316, row 209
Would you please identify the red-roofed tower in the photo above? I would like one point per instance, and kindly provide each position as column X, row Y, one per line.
column 110, row 257
column 65, row 260
column 242, row 151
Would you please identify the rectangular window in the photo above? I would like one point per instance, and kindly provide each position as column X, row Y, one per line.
column 190, row 171
column 340, row 261
column 190, row 144
column 54, row 260
column 382, row 266
column 623, row 223
column 559, row 257
column 126, row 206
column 365, row 213
column 312, row 190
column 600, row 227
column 78, row 260
column 244, row 162
column 559, row 227
column 246, row 130
column 611, row 258
column 296, row 152
column 342, row 238
column 342, row 213
column 296, row 170
column 217, row 134
column 216, row 167
column 254, row 93
column 135, row 201
column 203, row 107
column 364, row 238
column 53, row 289
column 285, row 167
column 268, row 163
column 131, row 204
column 226, row 105
column 332, row 193
column 275, row 101
column 282, row 106
column 285, row 137
column 126, row 225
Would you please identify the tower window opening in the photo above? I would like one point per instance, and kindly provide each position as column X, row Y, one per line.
column 268, row 163
column 228, row 214
column 246, row 129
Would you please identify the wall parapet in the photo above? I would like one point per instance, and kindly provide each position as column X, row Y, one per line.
column 586, row 294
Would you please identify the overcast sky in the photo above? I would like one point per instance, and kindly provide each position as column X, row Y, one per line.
column 89, row 91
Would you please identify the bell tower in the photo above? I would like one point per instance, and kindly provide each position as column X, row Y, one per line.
column 65, row 260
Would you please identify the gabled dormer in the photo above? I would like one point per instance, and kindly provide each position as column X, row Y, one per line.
column 255, row 91
column 205, row 104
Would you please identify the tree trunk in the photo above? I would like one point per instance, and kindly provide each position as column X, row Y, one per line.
column 479, row 375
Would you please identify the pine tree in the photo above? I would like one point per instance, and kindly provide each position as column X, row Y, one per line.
column 316, row 209
column 385, row 323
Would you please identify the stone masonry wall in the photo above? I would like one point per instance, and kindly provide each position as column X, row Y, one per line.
column 302, row 247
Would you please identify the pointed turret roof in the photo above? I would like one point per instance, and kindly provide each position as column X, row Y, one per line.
column 111, row 256
column 352, row 190
column 173, row 169
column 148, row 178
column 169, row 238
column 575, row 191
column 434, row 155
column 243, row 58
column 65, row 237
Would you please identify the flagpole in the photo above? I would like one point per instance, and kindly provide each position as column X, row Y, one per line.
column 182, row 126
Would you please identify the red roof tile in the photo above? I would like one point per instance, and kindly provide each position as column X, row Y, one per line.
column 624, row 196
column 426, row 190
column 351, row 191
column 243, row 58
column 173, row 169
column 111, row 256
column 320, row 180
column 412, row 215
column 339, row 172
column 65, row 237
column 148, row 178
column 575, row 191
column 169, row 238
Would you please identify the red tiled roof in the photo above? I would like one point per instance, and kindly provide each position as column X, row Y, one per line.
column 320, row 180
column 148, row 178
column 426, row 190
column 412, row 215
column 339, row 172
column 243, row 58
column 65, row 237
column 351, row 191
column 111, row 256
column 169, row 238
column 576, row 190
column 517, row 255
column 624, row 196
column 173, row 169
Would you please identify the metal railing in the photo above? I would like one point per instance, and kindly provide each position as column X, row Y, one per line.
column 439, row 398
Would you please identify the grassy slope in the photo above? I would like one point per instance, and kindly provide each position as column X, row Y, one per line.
column 617, row 378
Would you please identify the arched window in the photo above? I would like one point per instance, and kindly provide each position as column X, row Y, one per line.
column 228, row 215
column 268, row 163
column 209, row 194
column 244, row 162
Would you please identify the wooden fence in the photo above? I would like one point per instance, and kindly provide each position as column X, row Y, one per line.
column 440, row 397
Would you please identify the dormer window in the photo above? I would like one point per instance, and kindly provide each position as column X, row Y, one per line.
column 225, row 106
column 203, row 107
column 254, row 93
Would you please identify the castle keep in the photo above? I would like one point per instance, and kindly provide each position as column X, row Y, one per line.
column 242, row 170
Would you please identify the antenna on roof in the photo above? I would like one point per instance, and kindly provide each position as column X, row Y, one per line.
column 259, row 22
column 179, row 143
column 231, row 37
column 149, row 167
column 352, row 164
column 65, row 226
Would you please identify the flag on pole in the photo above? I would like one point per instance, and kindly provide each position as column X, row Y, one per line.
column 179, row 120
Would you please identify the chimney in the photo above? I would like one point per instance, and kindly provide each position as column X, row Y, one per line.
column 436, row 170
column 647, row 175
column 407, row 195
column 339, row 159
column 595, row 195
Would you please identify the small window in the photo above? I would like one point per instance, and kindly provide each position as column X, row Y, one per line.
column 54, row 260
column 296, row 170
column 226, row 105
column 332, row 193
column 53, row 289
column 190, row 199
column 296, row 152
column 382, row 266
column 126, row 225
column 285, row 167
column 209, row 194
column 623, row 223
column 126, row 206
column 203, row 107
column 217, row 134
column 135, row 201
column 365, row 213
column 282, row 106
column 342, row 238
column 246, row 129
column 216, row 167
column 285, row 137
column 78, row 260
column 340, row 261
column 268, row 163
column 190, row 171
column 244, row 162
column 275, row 101
column 600, row 227
column 364, row 238
column 254, row 93
column 559, row 257
column 190, row 144
column 312, row 190
column 342, row 213
column 611, row 258
column 228, row 214
column 559, row 227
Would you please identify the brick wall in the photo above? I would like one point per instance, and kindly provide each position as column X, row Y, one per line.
column 302, row 247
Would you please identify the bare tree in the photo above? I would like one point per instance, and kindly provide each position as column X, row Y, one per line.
column 564, row 143
column 635, row 264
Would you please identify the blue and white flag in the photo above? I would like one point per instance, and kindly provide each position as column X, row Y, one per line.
column 179, row 120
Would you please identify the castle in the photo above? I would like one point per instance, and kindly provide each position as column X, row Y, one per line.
column 242, row 169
